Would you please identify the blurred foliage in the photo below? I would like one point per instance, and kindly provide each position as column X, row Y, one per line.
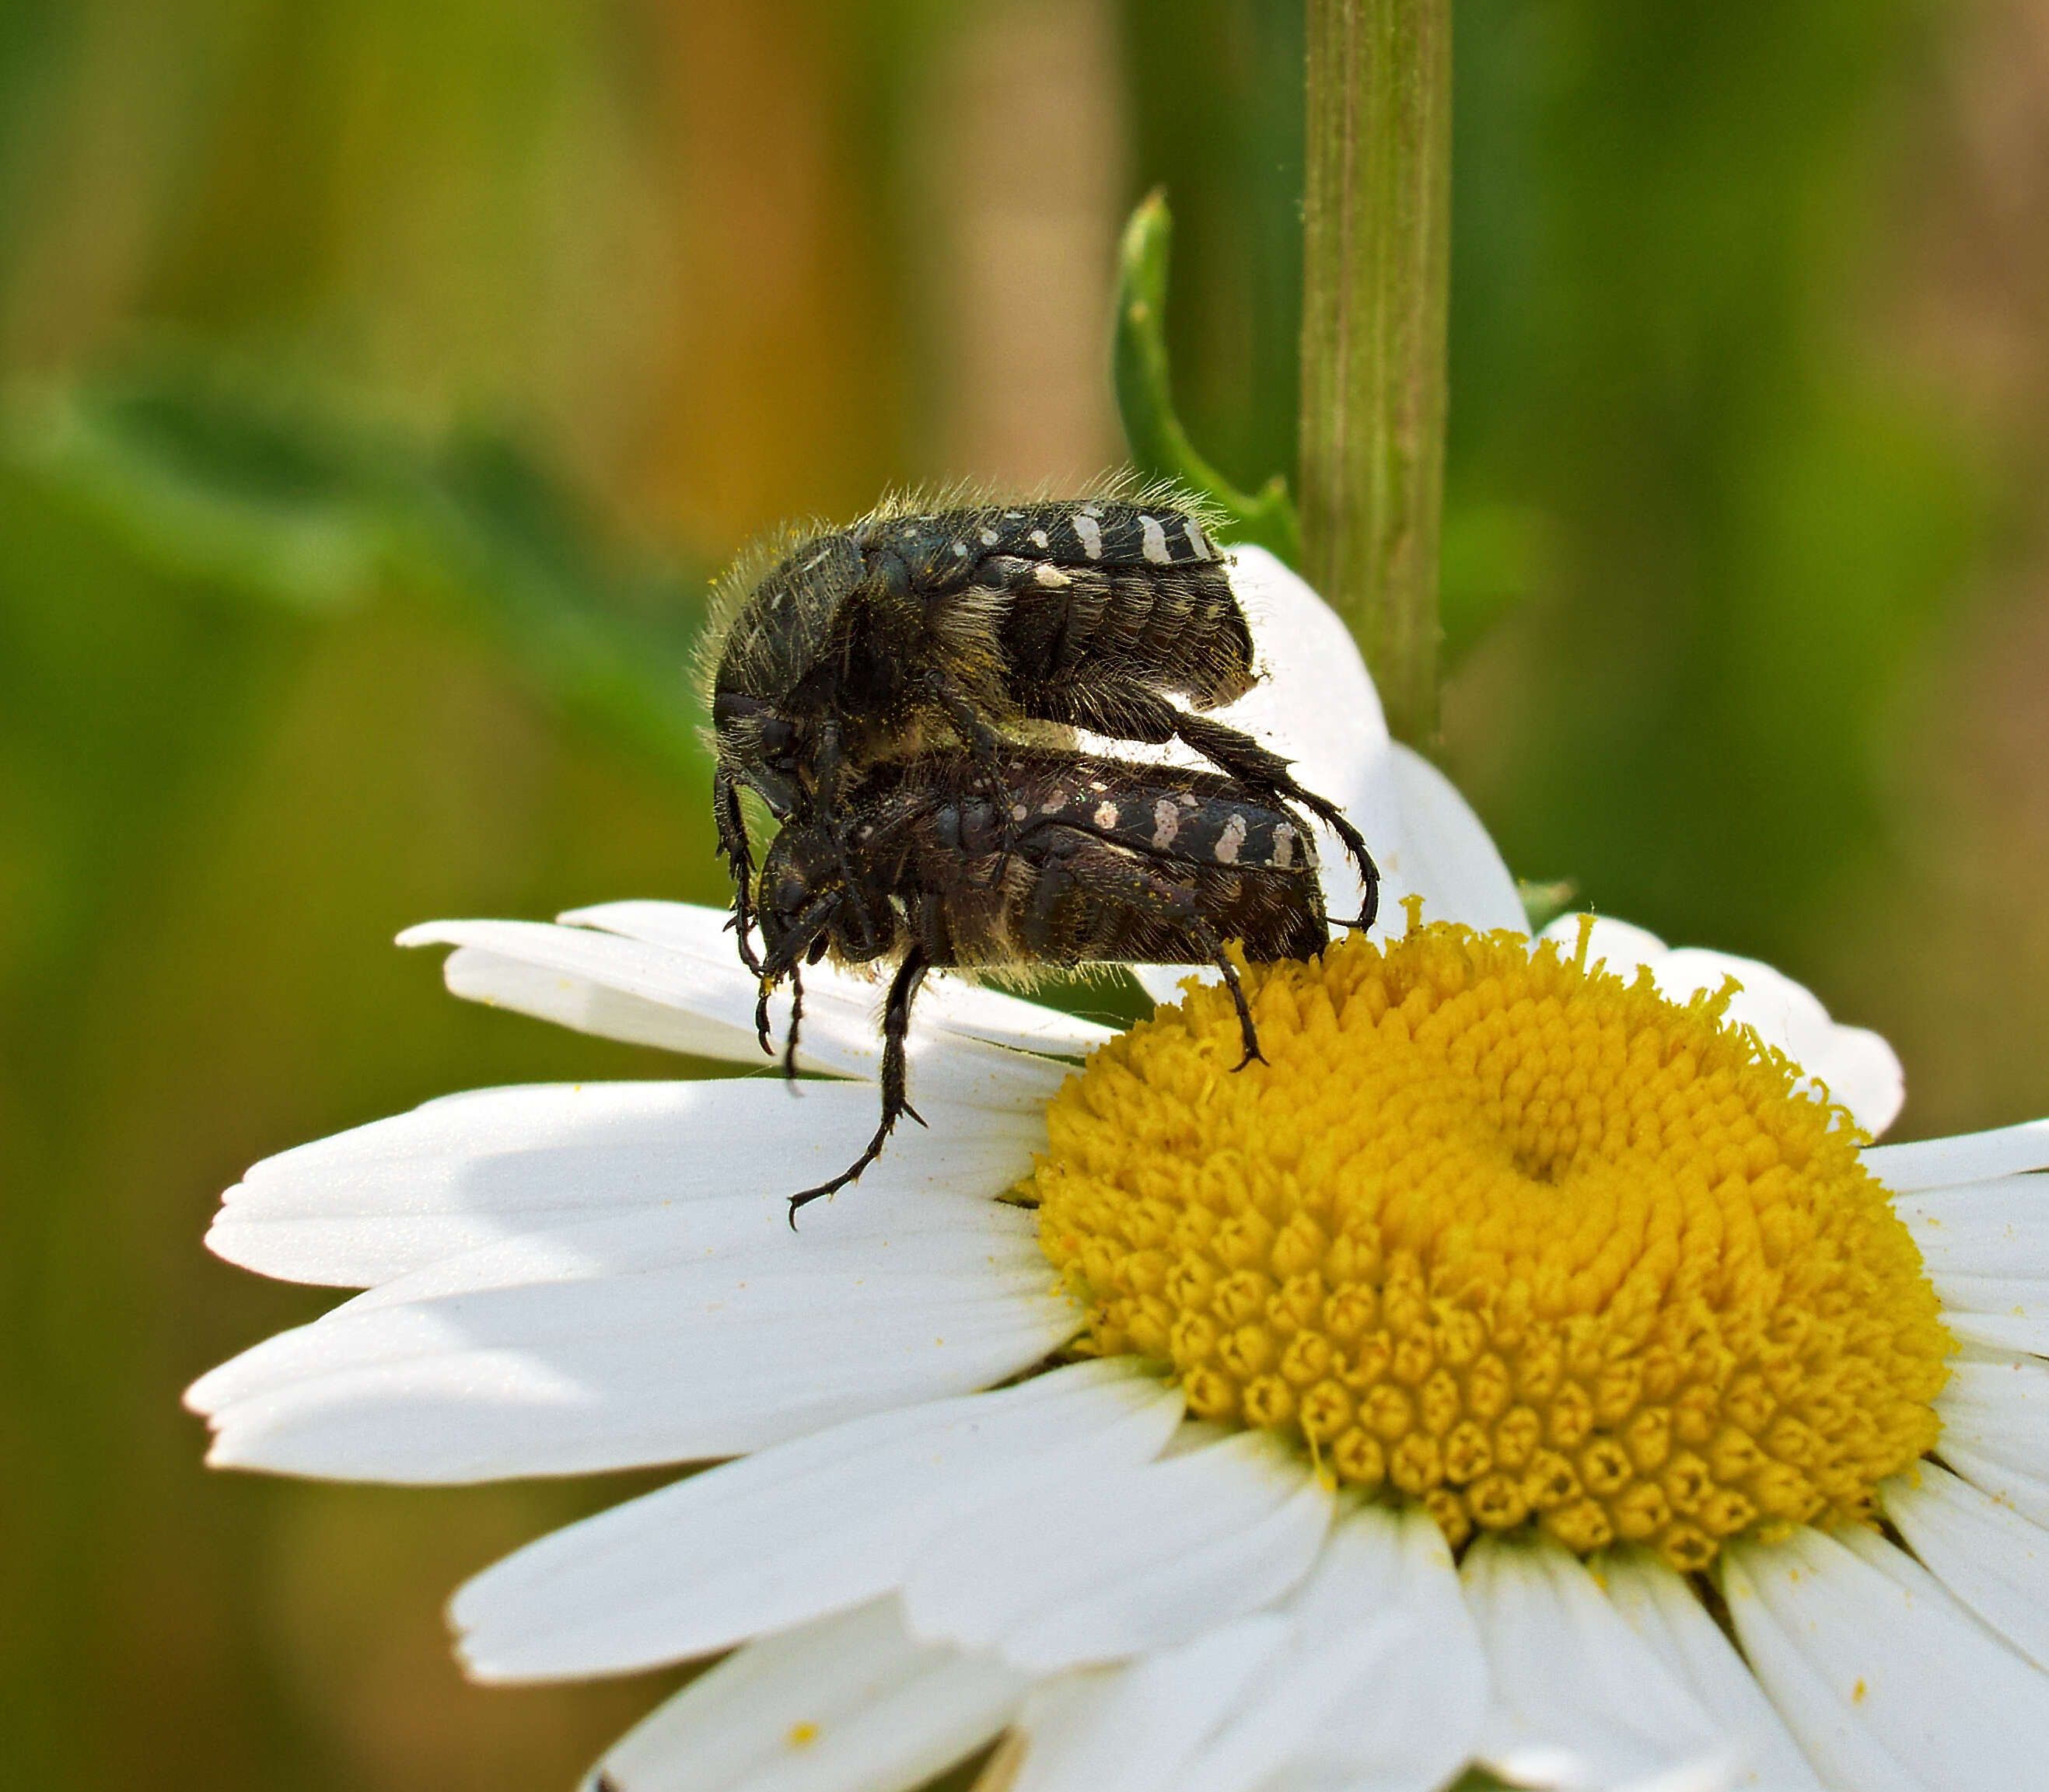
column 383, row 381
column 207, row 472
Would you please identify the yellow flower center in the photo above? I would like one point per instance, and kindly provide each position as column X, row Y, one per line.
column 1506, row 1234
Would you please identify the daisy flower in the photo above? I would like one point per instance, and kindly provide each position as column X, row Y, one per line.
column 1533, row 1365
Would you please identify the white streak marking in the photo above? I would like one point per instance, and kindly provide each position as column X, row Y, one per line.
column 1045, row 573
column 1088, row 532
column 1038, row 538
column 1229, row 841
column 1199, row 543
column 1106, row 814
column 1284, row 845
column 1155, row 547
column 1166, row 823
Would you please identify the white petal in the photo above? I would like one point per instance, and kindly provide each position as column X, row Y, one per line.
column 1860, row 1070
column 1848, row 1758
column 384, row 1200
column 1857, row 1068
column 1447, row 856
column 1669, row 1617
column 1969, row 1157
column 1891, row 1675
column 550, row 1362
column 1580, row 1701
column 1134, row 1728
column 1317, row 707
column 1986, row 1247
column 1621, row 946
column 1987, row 1554
column 1998, row 1229
column 788, row 1534
column 1383, row 1687
column 2027, row 1330
column 1140, row 1559
column 617, row 988
column 847, row 1705
column 949, row 1004
column 1996, row 1430
column 1322, row 698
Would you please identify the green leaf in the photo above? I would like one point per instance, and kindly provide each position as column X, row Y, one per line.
column 1160, row 446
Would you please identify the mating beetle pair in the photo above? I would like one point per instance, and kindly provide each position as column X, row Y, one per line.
column 901, row 695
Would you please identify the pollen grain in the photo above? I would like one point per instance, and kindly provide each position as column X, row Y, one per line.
column 1503, row 1233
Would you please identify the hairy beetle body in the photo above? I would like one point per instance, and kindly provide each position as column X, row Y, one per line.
column 922, row 630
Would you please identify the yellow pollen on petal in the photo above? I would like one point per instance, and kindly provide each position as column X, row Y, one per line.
column 1507, row 1234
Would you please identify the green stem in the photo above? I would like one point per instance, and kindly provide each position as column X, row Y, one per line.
column 1375, row 286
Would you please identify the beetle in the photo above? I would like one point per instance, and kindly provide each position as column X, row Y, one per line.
column 917, row 630
column 1094, row 860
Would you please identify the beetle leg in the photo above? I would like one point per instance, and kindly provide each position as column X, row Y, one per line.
column 895, row 1029
column 732, row 845
column 1247, row 1032
column 796, row 1023
column 1238, row 754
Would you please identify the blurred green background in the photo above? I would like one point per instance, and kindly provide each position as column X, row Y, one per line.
column 383, row 380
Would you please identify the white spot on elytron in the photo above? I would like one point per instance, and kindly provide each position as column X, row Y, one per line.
column 1088, row 532
column 1199, row 543
column 1166, row 823
column 1232, row 838
column 1054, row 804
column 1097, row 785
column 1187, row 800
column 1091, row 509
column 1039, row 538
column 1155, row 547
column 1106, row 814
column 1014, row 516
column 988, row 538
column 960, row 548
column 1019, row 812
column 1284, row 845
column 1045, row 573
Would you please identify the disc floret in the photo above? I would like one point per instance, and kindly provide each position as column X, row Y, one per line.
column 1506, row 1234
